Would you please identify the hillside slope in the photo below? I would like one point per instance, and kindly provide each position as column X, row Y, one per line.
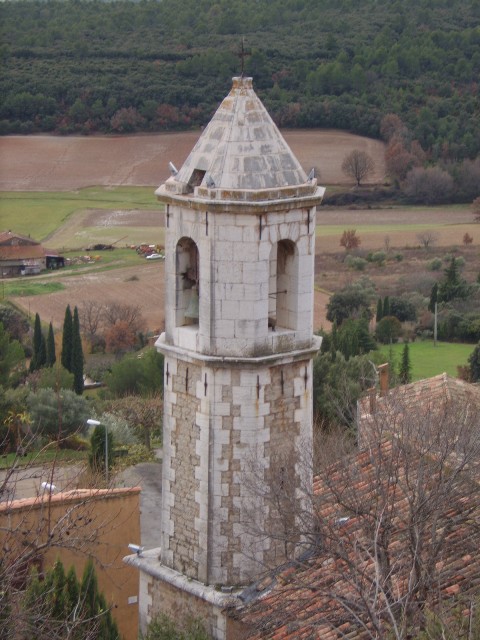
column 72, row 66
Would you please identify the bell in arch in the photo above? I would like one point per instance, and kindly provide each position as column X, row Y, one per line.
column 192, row 309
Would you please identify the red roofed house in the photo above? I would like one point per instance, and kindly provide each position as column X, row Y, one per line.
column 21, row 256
column 395, row 532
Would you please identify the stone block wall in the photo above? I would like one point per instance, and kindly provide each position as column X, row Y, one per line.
column 180, row 605
column 230, row 433
column 180, row 509
column 235, row 257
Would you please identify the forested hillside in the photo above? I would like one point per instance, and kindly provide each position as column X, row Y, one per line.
column 74, row 66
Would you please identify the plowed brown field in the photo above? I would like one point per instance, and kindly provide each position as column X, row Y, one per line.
column 53, row 163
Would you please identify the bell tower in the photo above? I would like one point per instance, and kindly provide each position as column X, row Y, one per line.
column 238, row 346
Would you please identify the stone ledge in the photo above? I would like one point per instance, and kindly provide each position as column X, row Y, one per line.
column 148, row 562
column 285, row 357
column 311, row 198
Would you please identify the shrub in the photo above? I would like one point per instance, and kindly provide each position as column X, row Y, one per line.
column 378, row 257
column 474, row 363
column 56, row 377
column 349, row 239
column 350, row 302
column 137, row 453
column 403, row 309
column 389, row 329
column 55, row 413
column 119, row 428
column 98, row 367
column 14, row 322
column 165, row 628
column 435, row 264
column 468, row 328
column 139, row 374
column 398, row 257
column 74, row 442
column 429, row 186
column 448, row 323
column 355, row 262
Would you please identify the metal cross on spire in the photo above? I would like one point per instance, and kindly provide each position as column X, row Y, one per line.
column 242, row 54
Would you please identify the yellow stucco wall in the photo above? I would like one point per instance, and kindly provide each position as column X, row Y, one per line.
column 74, row 526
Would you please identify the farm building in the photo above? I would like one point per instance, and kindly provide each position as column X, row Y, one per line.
column 22, row 256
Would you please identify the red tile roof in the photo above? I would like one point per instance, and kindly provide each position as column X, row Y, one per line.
column 371, row 511
column 14, row 246
column 7, row 238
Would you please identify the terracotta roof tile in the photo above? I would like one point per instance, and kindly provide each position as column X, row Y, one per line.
column 303, row 600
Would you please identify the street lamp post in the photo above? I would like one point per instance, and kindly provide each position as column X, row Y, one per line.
column 96, row 423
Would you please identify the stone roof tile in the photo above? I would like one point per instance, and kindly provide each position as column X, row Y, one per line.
column 241, row 156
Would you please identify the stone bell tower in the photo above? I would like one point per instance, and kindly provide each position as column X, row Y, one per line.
column 238, row 346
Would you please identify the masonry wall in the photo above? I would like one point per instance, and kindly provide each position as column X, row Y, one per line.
column 180, row 509
column 234, row 270
column 179, row 605
column 234, row 433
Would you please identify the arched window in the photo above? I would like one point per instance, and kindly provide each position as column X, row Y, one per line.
column 187, row 282
column 283, row 287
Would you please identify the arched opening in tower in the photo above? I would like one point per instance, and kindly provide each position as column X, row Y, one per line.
column 187, row 294
column 282, row 308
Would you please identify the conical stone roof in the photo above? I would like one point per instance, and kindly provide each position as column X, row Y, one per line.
column 241, row 155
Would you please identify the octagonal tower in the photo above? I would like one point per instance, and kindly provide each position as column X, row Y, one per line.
column 238, row 344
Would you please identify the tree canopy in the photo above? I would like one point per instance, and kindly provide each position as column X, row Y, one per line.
column 125, row 66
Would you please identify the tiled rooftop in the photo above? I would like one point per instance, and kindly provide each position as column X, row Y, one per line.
column 368, row 509
column 7, row 238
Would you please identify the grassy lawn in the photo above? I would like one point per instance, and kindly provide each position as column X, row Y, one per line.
column 39, row 214
column 30, row 288
column 103, row 260
column 45, row 456
column 428, row 360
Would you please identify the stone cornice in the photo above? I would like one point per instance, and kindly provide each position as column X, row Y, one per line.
column 285, row 357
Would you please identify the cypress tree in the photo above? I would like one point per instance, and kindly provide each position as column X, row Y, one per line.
column 474, row 364
column 453, row 286
column 67, row 340
column 433, row 298
column 96, row 457
column 77, row 355
column 60, row 600
column 404, row 373
column 50, row 347
column 386, row 307
column 95, row 606
column 379, row 315
column 42, row 354
column 57, row 591
column 72, row 590
column 37, row 344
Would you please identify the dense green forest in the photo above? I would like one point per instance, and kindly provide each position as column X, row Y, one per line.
column 88, row 66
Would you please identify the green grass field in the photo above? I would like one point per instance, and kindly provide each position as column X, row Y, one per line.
column 30, row 288
column 428, row 360
column 45, row 456
column 39, row 214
